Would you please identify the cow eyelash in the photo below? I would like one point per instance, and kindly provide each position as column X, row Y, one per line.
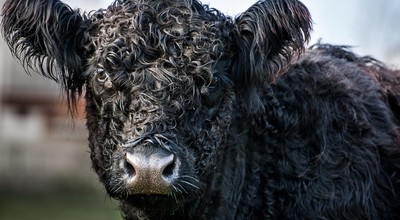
column 101, row 75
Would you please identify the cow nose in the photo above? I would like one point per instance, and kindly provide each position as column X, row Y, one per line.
column 151, row 173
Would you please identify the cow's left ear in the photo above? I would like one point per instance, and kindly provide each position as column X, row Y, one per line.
column 268, row 36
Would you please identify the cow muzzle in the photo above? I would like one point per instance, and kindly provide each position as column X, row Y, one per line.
column 150, row 171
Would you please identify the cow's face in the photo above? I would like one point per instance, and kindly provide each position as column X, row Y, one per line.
column 159, row 99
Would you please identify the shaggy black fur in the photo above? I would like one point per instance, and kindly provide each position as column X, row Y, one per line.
column 260, row 129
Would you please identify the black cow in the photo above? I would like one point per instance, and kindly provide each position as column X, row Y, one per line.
column 195, row 115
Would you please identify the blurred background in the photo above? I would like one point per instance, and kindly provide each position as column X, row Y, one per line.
column 45, row 168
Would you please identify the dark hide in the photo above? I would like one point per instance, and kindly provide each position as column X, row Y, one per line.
column 257, row 128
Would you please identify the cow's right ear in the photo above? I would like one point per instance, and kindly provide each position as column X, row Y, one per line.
column 268, row 36
column 47, row 36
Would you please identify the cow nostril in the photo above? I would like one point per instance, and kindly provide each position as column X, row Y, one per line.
column 129, row 168
column 168, row 171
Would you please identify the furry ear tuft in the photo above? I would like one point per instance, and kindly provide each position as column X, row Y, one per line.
column 47, row 36
column 269, row 35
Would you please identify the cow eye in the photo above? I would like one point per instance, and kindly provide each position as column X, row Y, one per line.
column 102, row 80
column 102, row 85
column 212, row 92
column 214, row 83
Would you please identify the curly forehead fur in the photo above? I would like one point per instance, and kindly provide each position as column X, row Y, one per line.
column 161, row 37
column 167, row 47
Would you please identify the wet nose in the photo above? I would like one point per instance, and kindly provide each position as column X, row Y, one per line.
column 151, row 173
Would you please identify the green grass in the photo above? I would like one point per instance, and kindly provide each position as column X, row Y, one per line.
column 64, row 205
